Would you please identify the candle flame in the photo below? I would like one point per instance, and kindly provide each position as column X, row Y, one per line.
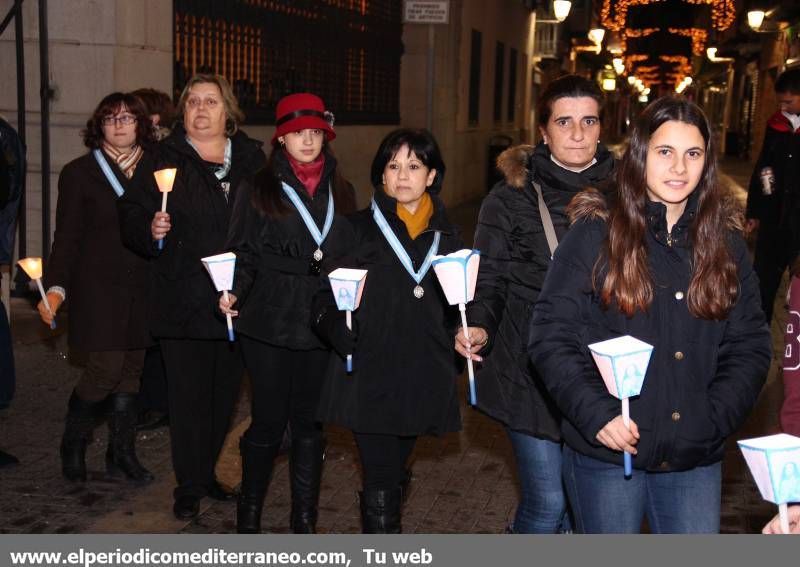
column 32, row 267
column 165, row 178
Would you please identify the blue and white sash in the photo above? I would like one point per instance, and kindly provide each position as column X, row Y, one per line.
column 401, row 253
column 319, row 237
column 112, row 179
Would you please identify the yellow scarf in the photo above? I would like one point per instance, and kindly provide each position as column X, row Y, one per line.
column 417, row 222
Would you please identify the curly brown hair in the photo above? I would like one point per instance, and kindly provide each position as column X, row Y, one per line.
column 110, row 105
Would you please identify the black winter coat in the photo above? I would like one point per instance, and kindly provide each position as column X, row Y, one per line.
column 703, row 377
column 405, row 366
column 106, row 284
column 514, row 260
column 781, row 152
column 184, row 300
column 272, row 283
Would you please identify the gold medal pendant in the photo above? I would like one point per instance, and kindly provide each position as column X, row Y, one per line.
column 317, row 255
column 419, row 292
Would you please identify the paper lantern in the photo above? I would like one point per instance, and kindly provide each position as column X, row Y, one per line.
column 348, row 286
column 774, row 462
column 457, row 274
column 623, row 364
column 221, row 268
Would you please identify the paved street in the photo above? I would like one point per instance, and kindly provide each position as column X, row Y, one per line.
column 462, row 483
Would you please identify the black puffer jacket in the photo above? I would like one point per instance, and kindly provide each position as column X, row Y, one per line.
column 405, row 367
column 184, row 300
column 272, row 282
column 514, row 261
column 703, row 377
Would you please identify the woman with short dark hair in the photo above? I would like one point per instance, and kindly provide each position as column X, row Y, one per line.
column 662, row 260
column 404, row 379
column 520, row 223
column 105, row 283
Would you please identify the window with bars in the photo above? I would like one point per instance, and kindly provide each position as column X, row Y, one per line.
column 474, row 101
column 499, row 61
column 512, row 85
column 346, row 51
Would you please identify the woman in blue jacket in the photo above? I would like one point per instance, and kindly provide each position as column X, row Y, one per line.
column 663, row 261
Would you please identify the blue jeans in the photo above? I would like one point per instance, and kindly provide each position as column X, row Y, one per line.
column 603, row 501
column 543, row 505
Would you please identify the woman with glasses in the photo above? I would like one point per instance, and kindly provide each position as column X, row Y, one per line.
column 203, row 369
column 105, row 283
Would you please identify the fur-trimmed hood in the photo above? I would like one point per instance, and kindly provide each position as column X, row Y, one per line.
column 591, row 204
column 514, row 162
column 520, row 164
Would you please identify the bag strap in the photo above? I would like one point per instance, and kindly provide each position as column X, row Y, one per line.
column 547, row 222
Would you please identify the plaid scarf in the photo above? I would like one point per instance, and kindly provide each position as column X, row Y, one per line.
column 125, row 161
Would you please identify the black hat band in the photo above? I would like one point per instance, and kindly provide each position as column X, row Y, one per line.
column 299, row 113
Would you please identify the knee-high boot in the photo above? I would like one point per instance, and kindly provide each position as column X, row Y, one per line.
column 380, row 510
column 257, row 461
column 79, row 423
column 121, row 452
column 305, row 463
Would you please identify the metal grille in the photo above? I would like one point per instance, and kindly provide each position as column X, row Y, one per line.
column 346, row 51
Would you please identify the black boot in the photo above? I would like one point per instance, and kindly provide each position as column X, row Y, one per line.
column 305, row 465
column 80, row 421
column 121, row 452
column 380, row 511
column 257, row 463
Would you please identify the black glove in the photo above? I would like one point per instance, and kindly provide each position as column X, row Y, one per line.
column 331, row 325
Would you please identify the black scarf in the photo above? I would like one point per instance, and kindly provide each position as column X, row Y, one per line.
column 553, row 175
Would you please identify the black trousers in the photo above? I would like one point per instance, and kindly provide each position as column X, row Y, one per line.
column 153, row 388
column 774, row 253
column 383, row 459
column 203, row 379
column 286, row 386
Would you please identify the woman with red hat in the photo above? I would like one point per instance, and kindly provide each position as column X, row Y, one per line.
column 286, row 233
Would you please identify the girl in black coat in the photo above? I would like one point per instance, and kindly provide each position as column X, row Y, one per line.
column 105, row 283
column 664, row 262
column 213, row 159
column 515, row 257
column 404, row 380
column 287, row 232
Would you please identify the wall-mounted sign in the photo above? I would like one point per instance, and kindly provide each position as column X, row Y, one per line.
column 426, row 12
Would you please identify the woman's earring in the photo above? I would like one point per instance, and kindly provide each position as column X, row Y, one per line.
column 281, row 141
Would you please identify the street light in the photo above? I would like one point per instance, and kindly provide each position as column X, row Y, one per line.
column 596, row 35
column 561, row 9
column 755, row 18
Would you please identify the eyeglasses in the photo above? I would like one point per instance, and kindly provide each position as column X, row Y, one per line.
column 196, row 102
column 125, row 120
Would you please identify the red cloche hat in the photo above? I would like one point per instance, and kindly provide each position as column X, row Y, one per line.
column 300, row 111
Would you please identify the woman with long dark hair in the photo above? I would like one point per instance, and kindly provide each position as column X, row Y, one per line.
column 665, row 262
column 104, row 282
column 286, row 233
column 404, row 380
column 520, row 223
